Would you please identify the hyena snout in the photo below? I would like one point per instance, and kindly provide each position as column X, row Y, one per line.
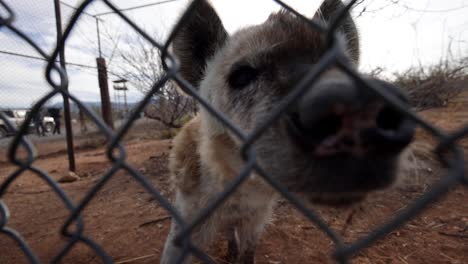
column 338, row 117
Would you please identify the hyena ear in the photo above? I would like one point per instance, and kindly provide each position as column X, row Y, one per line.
column 197, row 41
column 328, row 11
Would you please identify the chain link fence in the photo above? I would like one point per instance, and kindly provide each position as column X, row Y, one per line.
column 73, row 230
column 18, row 95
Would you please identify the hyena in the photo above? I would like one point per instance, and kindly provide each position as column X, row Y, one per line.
column 335, row 144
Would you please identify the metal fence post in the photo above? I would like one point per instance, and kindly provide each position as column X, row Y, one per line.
column 66, row 103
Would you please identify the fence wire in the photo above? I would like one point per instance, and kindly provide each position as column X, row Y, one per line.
column 447, row 150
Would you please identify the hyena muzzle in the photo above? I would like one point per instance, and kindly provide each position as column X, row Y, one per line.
column 335, row 144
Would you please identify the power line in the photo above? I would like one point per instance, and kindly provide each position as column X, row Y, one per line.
column 97, row 16
column 135, row 7
column 74, row 8
column 428, row 10
column 43, row 59
column 121, row 10
column 436, row 11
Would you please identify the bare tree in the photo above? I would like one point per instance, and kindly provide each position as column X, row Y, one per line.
column 362, row 7
column 139, row 62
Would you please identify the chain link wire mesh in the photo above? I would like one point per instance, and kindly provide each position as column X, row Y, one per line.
column 73, row 229
column 18, row 94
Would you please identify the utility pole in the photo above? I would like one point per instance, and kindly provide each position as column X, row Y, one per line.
column 66, row 103
column 106, row 106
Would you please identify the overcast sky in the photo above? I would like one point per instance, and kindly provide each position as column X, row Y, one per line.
column 394, row 37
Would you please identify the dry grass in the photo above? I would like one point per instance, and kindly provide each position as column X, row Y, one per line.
column 435, row 85
column 430, row 86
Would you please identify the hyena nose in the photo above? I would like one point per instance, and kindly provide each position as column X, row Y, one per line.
column 338, row 117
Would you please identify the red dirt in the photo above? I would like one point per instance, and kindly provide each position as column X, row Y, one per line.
column 120, row 217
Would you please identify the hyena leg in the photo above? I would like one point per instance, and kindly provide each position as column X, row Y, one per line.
column 243, row 237
column 240, row 252
column 200, row 237
column 171, row 252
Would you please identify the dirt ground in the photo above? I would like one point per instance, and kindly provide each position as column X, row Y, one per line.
column 131, row 226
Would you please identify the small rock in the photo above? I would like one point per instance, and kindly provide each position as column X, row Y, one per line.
column 71, row 177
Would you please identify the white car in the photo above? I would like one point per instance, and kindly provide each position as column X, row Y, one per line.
column 17, row 117
column 49, row 123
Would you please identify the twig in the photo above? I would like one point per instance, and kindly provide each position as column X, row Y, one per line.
column 303, row 242
column 134, row 259
column 350, row 218
column 453, row 234
column 402, row 260
column 448, row 257
column 160, row 219
column 37, row 192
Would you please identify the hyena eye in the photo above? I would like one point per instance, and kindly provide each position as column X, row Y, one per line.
column 242, row 76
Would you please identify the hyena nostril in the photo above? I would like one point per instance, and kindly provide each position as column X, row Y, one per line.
column 318, row 129
column 389, row 119
column 345, row 130
column 312, row 133
column 324, row 127
column 392, row 131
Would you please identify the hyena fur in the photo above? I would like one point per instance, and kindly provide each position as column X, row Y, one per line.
column 245, row 76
